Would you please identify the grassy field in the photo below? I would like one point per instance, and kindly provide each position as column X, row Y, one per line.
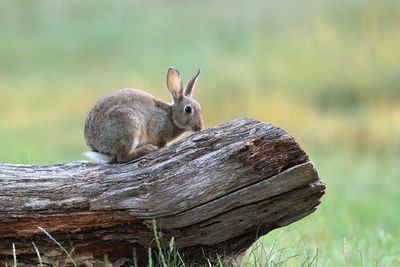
column 326, row 71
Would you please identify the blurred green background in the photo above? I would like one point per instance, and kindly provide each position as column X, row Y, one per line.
column 326, row 71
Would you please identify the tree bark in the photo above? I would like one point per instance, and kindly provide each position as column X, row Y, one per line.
column 214, row 192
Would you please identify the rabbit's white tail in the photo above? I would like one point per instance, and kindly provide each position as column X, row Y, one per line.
column 96, row 156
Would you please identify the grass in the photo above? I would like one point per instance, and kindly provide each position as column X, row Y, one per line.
column 327, row 71
column 161, row 256
column 357, row 222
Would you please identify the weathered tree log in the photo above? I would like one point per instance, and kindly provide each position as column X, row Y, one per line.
column 214, row 192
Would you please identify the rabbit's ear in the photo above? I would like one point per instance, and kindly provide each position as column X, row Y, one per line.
column 190, row 84
column 174, row 83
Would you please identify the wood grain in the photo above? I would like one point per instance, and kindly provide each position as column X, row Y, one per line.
column 214, row 192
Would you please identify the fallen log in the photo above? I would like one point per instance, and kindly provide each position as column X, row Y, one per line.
column 214, row 192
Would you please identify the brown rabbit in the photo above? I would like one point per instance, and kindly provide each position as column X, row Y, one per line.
column 129, row 123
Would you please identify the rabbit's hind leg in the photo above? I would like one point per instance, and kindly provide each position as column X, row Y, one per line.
column 126, row 155
column 136, row 153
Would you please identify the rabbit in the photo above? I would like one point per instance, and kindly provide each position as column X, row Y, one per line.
column 128, row 123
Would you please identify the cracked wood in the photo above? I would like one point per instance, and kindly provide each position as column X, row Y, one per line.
column 213, row 192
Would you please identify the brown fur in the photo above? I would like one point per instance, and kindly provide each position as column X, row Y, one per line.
column 129, row 123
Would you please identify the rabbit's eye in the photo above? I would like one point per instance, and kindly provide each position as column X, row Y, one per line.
column 188, row 109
